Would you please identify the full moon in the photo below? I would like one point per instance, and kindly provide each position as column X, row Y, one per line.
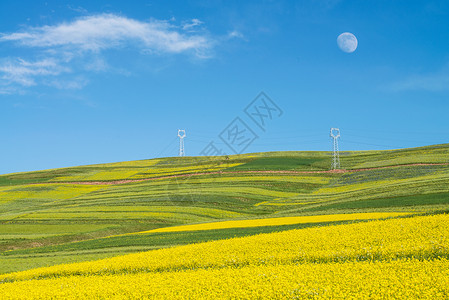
column 347, row 42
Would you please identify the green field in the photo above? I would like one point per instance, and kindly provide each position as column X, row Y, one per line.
column 52, row 216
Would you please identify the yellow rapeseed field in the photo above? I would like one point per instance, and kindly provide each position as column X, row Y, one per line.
column 277, row 221
column 397, row 258
column 402, row 279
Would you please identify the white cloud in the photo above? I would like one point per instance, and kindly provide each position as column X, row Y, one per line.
column 435, row 82
column 236, row 34
column 96, row 64
column 23, row 72
column 76, row 48
column 72, row 84
column 95, row 33
column 190, row 25
column 7, row 91
column 78, row 9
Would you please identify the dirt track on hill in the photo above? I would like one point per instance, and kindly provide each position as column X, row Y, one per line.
column 114, row 182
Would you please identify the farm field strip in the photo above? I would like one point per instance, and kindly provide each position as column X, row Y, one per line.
column 120, row 177
column 9, row 230
column 400, row 279
column 186, row 189
column 45, row 191
column 276, row 221
column 176, row 214
column 340, row 189
column 212, row 212
column 365, row 191
column 136, row 174
column 176, row 217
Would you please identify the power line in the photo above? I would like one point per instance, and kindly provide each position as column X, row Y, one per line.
column 386, row 139
column 168, row 146
column 370, row 144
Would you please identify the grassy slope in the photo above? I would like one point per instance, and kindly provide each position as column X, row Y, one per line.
column 50, row 218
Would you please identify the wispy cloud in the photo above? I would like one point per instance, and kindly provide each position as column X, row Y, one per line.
column 192, row 24
column 23, row 72
column 78, row 9
column 84, row 40
column 7, row 90
column 434, row 82
column 71, row 84
column 95, row 33
column 236, row 34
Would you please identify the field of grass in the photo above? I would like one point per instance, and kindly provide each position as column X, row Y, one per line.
column 85, row 213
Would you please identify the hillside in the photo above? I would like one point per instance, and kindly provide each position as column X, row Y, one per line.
column 84, row 213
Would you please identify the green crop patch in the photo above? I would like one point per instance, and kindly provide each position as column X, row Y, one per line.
column 279, row 163
column 403, row 201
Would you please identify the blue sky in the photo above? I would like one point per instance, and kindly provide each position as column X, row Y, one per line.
column 85, row 82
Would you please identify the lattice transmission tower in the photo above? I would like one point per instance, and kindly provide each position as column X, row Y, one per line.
column 335, row 135
column 181, row 135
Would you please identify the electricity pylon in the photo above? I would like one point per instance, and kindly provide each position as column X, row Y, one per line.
column 335, row 135
column 181, row 135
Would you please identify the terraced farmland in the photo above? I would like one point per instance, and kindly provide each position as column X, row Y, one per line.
column 86, row 213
